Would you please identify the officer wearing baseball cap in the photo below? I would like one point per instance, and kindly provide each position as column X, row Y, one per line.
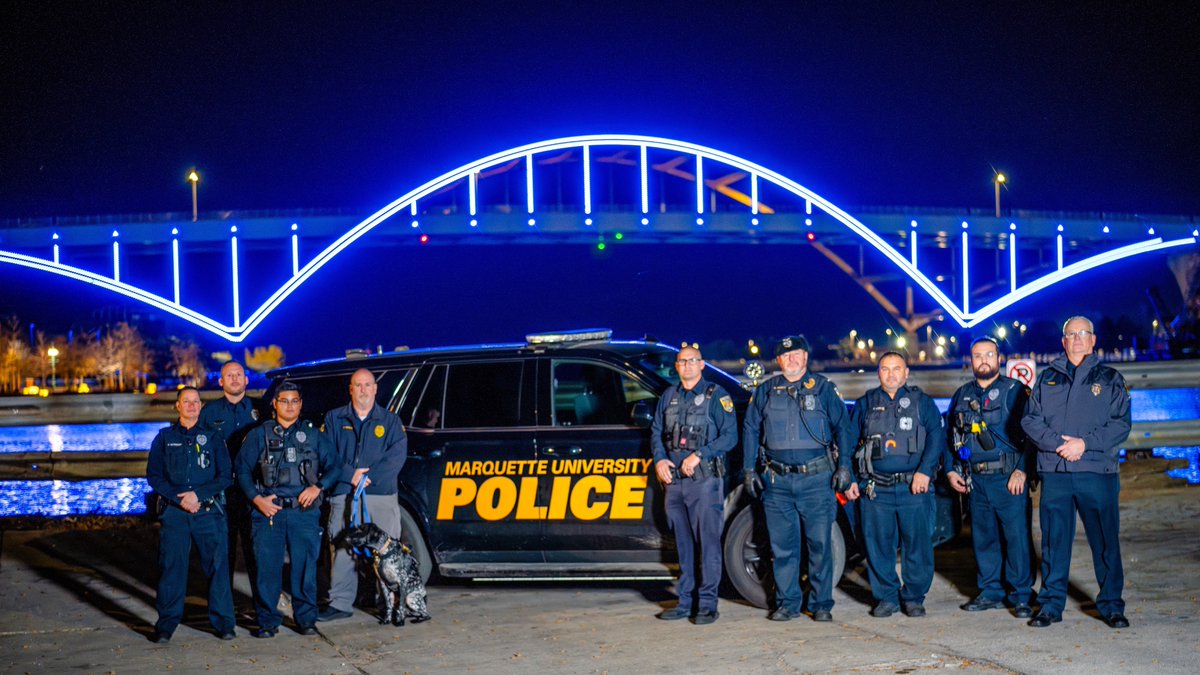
column 795, row 425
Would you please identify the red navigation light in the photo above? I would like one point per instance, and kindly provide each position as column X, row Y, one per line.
column 811, row 236
column 424, row 239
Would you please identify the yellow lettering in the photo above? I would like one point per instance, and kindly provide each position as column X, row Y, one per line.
column 541, row 467
column 560, row 490
column 582, row 506
column 455, row 492
column 629, row 495
column 497, row 497
column 476, row 468
column 527, row 508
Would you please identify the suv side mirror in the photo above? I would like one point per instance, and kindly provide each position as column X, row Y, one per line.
column 643, row 414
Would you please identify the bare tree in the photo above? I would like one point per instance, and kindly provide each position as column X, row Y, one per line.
column 186, row 362
column 14, row 352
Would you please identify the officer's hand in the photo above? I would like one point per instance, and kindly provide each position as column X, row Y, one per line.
column 266, row 505
column 688, row 466
column 1016, row 482
column 309, row 496
column 842, row 479
column 956, row 481
column 752, row 484
column 852, row 492
column 358, row 476
column 920, row 484
column 189, row 501
column 1071, row 449
column 663, row 469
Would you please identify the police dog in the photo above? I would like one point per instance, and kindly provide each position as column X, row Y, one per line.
column 397, row 573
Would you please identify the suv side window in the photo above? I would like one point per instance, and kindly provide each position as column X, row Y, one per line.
column 595, row 394
column 426, row 399
column 481, row 395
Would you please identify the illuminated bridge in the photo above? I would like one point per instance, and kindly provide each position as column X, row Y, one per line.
column 968, row 265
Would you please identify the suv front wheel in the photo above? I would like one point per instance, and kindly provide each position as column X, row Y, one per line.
column 748, row 557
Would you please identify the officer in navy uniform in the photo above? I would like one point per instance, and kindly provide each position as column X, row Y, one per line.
column 371, row 446
column 283, row 467
column 901, row 440
column 1078, row 417
column 231, row 417
column 189, row 470
column 694, row 427
column 990, row 463
column 798, row 422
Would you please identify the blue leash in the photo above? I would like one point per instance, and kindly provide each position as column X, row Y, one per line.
column 359, row 515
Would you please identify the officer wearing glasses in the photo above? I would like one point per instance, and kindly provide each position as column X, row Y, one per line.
column 1078, row 417
column 797, row 429
column 283, row 468
column 990, row 462
column 189, row 470
column 694, row 427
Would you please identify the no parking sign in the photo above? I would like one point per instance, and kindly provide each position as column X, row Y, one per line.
column 1022, row 370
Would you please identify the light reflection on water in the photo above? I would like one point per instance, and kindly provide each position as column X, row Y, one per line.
column 109, row 496
column 135, row 436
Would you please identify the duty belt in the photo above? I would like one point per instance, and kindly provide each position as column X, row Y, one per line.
column 890, row 479
column 288, row 502
column 818, row 465
column 1003, row 465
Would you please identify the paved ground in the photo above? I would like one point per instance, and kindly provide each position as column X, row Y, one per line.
column 77, row 600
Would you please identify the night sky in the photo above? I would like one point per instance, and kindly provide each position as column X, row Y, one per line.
column 108, row 104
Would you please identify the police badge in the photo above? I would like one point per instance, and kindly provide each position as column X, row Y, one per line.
column 727, row 404
column 254, row 414
column 301, row 436
column 699, row 400
column 904, row 403
column 1096, row 389
column 201, row 439
column 993, row 394
column 379, row 431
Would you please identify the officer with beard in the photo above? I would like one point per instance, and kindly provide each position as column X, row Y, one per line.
column 797, row 421
column 985, row 429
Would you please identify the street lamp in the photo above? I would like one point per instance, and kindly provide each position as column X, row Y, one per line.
column 194, row 179
column 999, row 180
column 52, row 352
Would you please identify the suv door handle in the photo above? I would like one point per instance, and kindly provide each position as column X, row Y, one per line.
column 573, row 450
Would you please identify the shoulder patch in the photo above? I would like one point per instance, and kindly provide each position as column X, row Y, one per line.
column 727, row 404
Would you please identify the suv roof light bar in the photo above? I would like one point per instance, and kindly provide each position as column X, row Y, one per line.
column 559, row 337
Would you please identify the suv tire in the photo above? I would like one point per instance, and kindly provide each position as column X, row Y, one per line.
column 747, row 552
column 410, row 535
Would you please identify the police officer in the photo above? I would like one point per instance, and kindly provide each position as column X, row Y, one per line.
column 694, row 427
column 282, row 468
column 1078, row 417
column 189, row 470
column 901, row 440
column 231, row 417
column 797, row 421
column 371, row 447
column 984, row 419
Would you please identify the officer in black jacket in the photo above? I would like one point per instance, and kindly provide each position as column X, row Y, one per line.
column 231, row 416
column 984, row 420
column 189, row 470
column 694, row 427
column 283, row 468
column 1078, row 417
column 371, row 446
column 900, row 443
column 798, row 422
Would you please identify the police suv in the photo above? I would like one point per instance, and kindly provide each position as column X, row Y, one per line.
column 533, row 460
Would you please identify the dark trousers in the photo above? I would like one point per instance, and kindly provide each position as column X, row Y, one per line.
column 798, row 505
column 238, row 510
column 298, row 532
column 179, row 530
column 898, row 518
column 1094, row 497
column 696, row 514
column 1000, row 536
